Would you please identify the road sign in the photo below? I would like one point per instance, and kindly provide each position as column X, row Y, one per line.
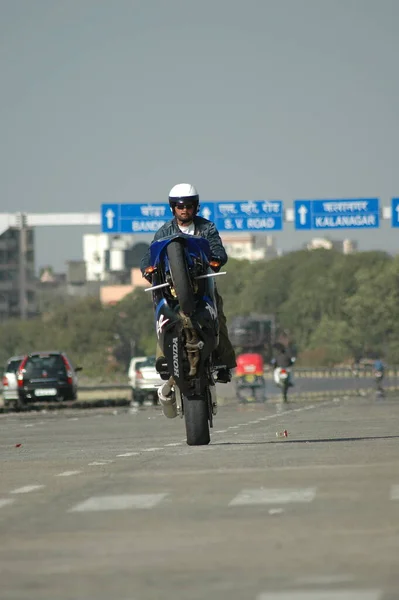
column 359, row 213
column 395, row 212
column 134, row 218
column 247, row 215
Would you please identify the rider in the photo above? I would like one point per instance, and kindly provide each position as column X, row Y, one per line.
column 379, row 369
column 282, row 358
column 184, row 204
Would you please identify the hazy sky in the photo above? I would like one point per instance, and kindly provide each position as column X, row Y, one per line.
column 118, row 100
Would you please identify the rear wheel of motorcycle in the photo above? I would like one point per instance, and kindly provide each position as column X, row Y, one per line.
column 197, row 423
column 180, row 277
column 285, row 392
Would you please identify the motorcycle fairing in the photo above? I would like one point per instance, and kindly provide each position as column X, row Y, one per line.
column 196, row 246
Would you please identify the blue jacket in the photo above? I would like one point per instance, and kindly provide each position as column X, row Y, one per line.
column 203, row 228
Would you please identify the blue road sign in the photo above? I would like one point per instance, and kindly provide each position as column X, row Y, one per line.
column 395, row 212
column 249, row 215
column 246, row 215
column 303, row 214
column 133, row 218
column 110, row 218
column 359, row 213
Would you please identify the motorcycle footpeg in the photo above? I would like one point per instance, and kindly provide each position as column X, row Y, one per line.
column 161, row 368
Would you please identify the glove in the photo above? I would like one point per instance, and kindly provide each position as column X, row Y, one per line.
column 148, row 277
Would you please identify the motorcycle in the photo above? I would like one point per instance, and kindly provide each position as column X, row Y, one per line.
column 283, row 379
column 186, row 322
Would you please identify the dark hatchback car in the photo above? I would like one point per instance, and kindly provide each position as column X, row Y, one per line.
column 47, row 376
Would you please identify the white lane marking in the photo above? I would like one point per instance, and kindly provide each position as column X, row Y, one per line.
column 68, row 473
column 6, row 501
column 276, row 511
column 26, row 489
column 273, row 496
column 294, row 410
column 221, row 431
column 100, row 462
column 121, row 502
column 324, row 579
column 73, row 419
column 323, row 595
column 177, row 443
column 29, row 425
column 151, row 449
column 395, row 492
column 127, row 454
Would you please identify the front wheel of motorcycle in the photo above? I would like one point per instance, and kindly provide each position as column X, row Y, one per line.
column 180, row 277
column 197, row 420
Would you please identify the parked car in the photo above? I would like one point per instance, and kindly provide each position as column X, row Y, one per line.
column 47, row 375
column 10, row 387
column 144, row 379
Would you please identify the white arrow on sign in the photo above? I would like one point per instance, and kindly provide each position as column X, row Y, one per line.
column 110, row 218
column 303, row 211
column 397, row 212
column 206, row 212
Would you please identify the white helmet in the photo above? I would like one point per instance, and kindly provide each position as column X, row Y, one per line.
column 183, row 193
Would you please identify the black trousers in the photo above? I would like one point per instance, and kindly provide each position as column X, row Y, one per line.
column 225, row 351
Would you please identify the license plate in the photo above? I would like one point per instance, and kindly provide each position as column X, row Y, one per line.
column 46, row 392
column 250, row 378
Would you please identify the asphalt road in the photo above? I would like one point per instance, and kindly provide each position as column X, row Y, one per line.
column 113, row 504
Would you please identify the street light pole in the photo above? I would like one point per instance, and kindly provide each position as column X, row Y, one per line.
column 21, row 219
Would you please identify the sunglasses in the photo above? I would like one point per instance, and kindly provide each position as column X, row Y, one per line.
column 183, row 206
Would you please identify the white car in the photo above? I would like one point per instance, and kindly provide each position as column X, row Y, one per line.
column 144, row 379
column 10, row 385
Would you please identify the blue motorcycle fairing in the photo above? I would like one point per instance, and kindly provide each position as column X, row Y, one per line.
column 168, row 323
column 196, row 246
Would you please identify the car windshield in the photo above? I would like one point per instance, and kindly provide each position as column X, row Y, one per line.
column 148, row 362
column 51, row 364
column 13, row 365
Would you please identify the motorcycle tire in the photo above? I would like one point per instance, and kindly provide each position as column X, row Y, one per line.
column 285, row 392
column 180, row 277
column 197, row 421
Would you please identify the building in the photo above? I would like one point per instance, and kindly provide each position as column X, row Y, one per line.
column 110, row 258
column 17, row 273
column 246, row 246
column 345, row 246
column 61, row 288
column 111, row 294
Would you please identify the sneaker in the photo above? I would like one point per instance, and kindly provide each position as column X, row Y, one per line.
column 224, row 375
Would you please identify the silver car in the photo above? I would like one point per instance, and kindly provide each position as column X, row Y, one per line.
column 144, row 379
column 10, row 385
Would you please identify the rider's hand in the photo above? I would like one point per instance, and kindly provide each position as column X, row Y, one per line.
column 148, row 277
column 147, row 274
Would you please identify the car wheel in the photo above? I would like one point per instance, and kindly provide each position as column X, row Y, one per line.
column 19, row 404
column 137, row 397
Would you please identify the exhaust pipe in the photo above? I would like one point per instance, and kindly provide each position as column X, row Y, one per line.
column 167, row 399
